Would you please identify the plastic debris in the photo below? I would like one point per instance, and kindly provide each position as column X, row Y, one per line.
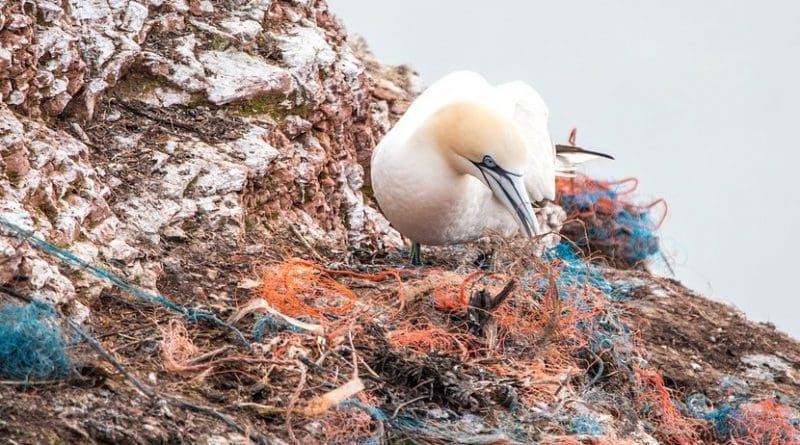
column 32, row 346
column 602, row 219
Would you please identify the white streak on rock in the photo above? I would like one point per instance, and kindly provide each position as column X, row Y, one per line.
column 254, row 151
column 236, row 75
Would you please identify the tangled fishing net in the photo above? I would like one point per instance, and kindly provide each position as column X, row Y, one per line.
column 748, row 422
column 32, row 346
column 603, row 219
column 539, row 350
column 522, row 342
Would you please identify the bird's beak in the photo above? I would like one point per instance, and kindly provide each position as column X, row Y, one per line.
column 509, row 188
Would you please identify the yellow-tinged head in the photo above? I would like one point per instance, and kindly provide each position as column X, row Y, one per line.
column 473, row 131
column 480, row 142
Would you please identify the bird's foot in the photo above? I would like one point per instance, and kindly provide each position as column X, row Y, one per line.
column 415, row 256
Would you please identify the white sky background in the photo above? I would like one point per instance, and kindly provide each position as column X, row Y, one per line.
column 699, row 100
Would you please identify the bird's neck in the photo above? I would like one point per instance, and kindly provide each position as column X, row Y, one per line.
column 424, row 149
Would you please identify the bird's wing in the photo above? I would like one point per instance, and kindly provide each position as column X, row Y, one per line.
column 530, row 114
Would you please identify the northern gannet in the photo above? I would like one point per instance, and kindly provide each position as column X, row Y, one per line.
column 466, row 159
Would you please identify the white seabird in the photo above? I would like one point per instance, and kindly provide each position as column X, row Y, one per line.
column 466, row 159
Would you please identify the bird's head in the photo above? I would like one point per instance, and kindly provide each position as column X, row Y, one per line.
column 482, row 143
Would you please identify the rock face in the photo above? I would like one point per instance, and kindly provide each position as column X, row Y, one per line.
column 128, row 124
column 192, row 146
column 51, row 187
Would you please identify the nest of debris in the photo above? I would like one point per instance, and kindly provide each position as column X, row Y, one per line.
column 529, row 350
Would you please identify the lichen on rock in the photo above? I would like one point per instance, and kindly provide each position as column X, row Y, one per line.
column 182, row 118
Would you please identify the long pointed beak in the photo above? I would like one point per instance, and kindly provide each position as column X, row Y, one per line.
column 510, row 190
column 580, row 155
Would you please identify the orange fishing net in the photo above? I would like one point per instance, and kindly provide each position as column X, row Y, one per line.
column 765, row 423
column 177, row 348
column 608, row 196
column 424, row 337
column 299, row 287
column 347, row 426
column 448, row 298
column 670, row 425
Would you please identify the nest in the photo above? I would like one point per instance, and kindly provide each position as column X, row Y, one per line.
column 537, row 350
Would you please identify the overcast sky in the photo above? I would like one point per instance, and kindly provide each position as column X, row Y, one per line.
column 699, row 100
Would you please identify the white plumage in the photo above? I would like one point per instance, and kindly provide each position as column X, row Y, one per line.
column 466, row 158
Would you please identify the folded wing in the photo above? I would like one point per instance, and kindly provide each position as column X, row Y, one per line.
column 530, row 114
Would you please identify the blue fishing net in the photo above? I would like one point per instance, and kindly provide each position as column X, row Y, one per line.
column 585, row 425
column 602, row 220
column 109, row 276
column 32, row 346
column 574, row 270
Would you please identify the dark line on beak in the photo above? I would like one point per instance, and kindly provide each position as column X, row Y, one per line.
column 526, row 225
column 503, row 173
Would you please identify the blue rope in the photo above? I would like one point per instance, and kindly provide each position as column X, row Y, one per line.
column 192, row 314
column 268, row 323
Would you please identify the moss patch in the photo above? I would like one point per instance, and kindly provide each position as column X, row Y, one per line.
column 137, row 83
column 276, row 107
column 14, row 177
column 368, row 192
column 49, row 210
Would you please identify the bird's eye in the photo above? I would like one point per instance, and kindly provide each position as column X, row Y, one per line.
column 489, row 161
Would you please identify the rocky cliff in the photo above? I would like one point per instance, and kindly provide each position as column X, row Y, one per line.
column 190, row 148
